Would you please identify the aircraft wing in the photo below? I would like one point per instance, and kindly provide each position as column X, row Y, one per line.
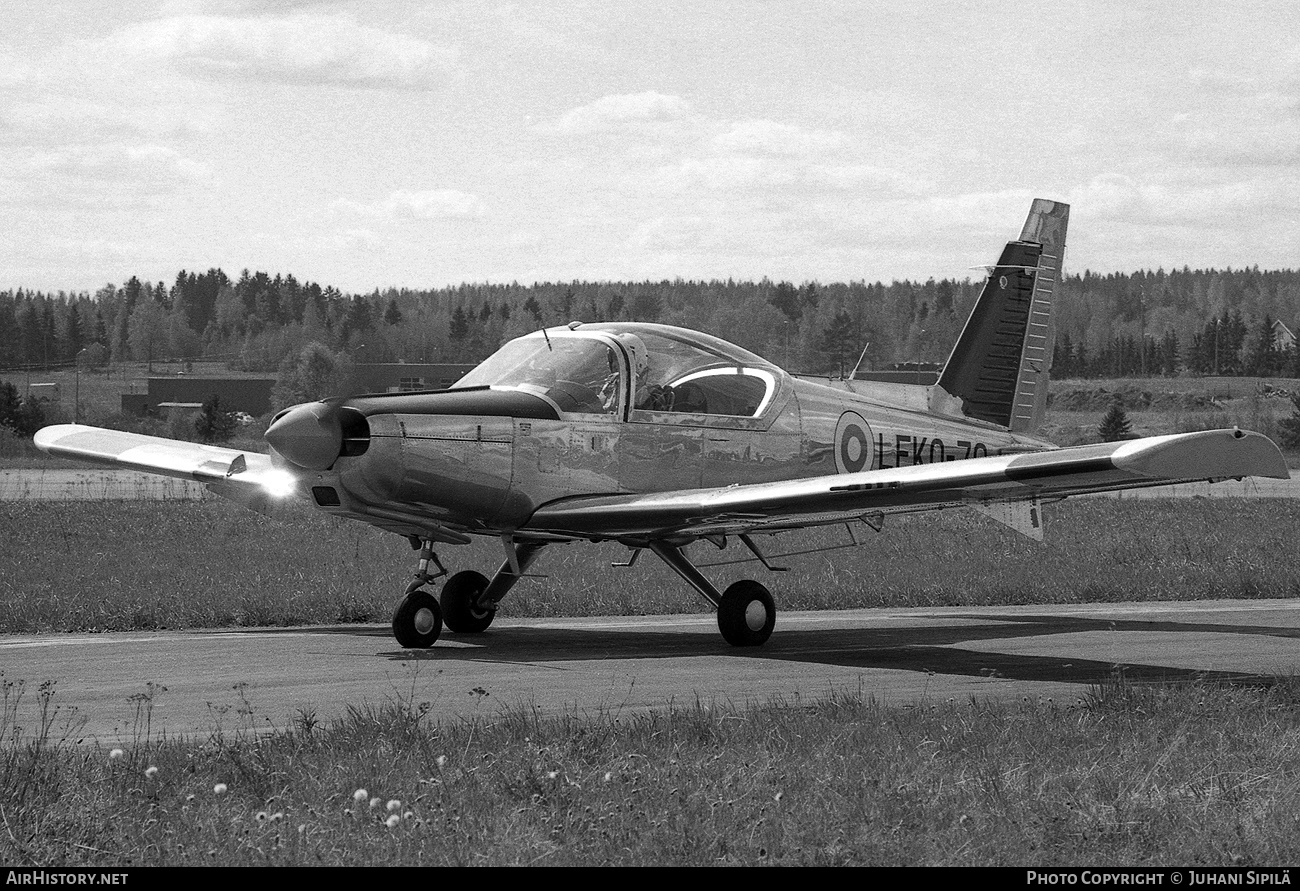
column 246, row 477
column 976, row 482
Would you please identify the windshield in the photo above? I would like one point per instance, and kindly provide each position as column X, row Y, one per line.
column 672, row 372
column 579, row 373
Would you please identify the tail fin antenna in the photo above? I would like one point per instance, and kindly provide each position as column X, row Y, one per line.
column 998, row 371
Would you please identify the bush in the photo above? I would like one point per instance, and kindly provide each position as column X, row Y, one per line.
column 23, row 416
column 1288, row 429
column 1115, row 425
column 214, row 425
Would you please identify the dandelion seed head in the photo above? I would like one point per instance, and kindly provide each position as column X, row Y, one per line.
column 394, row 805
column 409, row 815
column 392, row 821
column 608, row 776
column 116, row 753
column 442, row 760
column 219, row 789
column 151, row 772
column 375, row 802
column 261, row 816
column 552, row 774
column 360, row 795
column 277, row 817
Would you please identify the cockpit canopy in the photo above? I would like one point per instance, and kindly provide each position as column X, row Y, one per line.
column 613, row 367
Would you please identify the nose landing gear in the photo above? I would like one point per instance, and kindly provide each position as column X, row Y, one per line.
column 417, row 621
column 468, row 602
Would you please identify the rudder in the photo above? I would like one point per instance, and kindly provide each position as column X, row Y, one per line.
column 998, row 371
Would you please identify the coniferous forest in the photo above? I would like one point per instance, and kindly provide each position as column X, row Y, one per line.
column 1140, row 324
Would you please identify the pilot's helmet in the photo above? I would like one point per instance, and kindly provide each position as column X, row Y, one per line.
column 635, row 347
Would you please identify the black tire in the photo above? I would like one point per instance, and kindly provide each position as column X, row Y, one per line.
column 747, row 614
column 459, row 600
column 417, row 621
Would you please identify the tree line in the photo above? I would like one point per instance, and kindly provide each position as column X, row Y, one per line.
column 1145, row 323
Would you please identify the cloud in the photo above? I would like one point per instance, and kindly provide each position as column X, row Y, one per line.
column 358, row 239
column 772, row 138
column 436, row 204
column 114, row 172
column 432, row 204
column 1184, row 198
column 69, row 119
column 297, row 49
column 619, row 112
column 737, row 173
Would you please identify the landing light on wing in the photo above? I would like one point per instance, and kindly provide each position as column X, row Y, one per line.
column 278, row 483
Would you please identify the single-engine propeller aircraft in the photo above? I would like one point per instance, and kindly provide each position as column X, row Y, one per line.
column 657, row 437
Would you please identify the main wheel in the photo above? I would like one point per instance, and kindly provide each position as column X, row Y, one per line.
column 417, row 621
column 460, row 608
column 747, row 614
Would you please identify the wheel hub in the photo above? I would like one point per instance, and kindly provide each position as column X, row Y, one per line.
column 755, row 615
column 424, row 620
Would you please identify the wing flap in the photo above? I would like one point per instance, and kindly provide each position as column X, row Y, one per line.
column 152, row 454
column 227, row 471
column 1056, row 473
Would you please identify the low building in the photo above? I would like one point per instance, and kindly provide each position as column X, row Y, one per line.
column 246, row 394
column 405, row 377
column 1283, row 339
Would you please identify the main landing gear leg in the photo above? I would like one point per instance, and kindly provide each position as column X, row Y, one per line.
column 417, row 621
column 746, row 611
column 469, row 600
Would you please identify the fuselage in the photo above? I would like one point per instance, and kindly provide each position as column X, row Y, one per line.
column 482, row 457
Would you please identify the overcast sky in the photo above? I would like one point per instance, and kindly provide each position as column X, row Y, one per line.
column 422, row 144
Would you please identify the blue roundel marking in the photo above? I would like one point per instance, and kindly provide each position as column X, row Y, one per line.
column 853, row 445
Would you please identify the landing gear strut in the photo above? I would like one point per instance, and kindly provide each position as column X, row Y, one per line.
column 417, row 621
column 468, row 602
column 746, row 611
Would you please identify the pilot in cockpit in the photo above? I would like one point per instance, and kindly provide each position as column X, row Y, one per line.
column 610, row 387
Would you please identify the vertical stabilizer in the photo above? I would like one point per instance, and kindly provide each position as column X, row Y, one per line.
column 998, row 370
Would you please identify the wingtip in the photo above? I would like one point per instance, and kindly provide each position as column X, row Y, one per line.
column 1209, row 454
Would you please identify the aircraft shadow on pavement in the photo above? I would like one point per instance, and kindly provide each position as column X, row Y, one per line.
column 931, row 650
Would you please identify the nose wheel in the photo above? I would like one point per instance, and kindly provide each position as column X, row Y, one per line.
column 417, row 621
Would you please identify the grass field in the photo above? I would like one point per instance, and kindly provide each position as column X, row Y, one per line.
column 79, row 566
column 1131, row 776
column 1186, row 776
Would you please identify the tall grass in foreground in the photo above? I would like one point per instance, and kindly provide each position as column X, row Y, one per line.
column 1126, row 775
column 132, row 565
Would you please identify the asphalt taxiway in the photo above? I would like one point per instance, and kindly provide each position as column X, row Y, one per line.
column 255, row 680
